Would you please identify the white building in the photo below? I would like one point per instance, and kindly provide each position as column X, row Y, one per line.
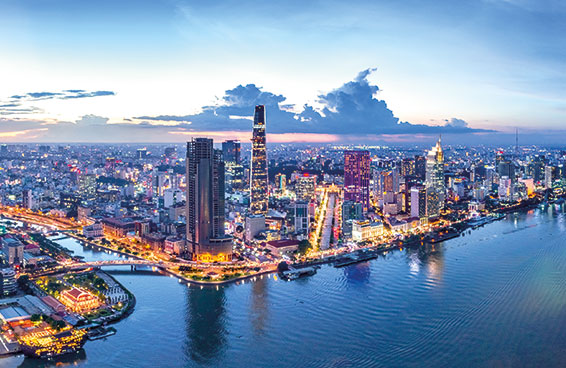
column 366, row 230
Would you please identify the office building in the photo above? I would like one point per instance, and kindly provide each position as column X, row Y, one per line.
column 434, row 181
column 259, row 189
column 356, row 177
column 206, row 239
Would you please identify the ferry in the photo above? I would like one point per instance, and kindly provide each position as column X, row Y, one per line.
column 348, row 260
column 50, row 346
column 295, row 273
column 100, row 333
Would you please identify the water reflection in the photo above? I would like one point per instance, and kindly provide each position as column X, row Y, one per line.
column 259, row 312
column 74, row 359
column 358, row 273
column 206, row 333
column 427, row 257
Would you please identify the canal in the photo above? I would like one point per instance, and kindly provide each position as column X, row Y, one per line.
column 494, row 297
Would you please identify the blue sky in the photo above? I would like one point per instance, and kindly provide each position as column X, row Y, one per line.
column 167, row 70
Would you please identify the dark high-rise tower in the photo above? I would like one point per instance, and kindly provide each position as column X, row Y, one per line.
column 206, row 239
column 231, row 152
column 356, row 177
column 259, row 191
column 420, row 167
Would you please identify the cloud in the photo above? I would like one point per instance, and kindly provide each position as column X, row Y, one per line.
column 92, row 120
column 64, row 95
column 22, row 104
column 456, row 123
column 353, row 108
column 82, row 94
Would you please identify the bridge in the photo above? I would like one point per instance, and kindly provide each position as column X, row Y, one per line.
column 118, row 262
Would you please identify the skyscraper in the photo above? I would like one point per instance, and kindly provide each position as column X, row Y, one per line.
column 356, row 177
column 206, row 239
column 435, row 187
column 234, row 170
column 259, row 190
column 420, row 167
column 231, row 152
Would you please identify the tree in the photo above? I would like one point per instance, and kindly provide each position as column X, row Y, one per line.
column 304, row 247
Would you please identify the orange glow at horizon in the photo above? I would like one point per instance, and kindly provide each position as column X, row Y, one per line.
column 273, row 137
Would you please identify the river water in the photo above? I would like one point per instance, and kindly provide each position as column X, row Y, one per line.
column 495, row 297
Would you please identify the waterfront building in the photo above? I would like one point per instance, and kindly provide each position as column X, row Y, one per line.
column 79, row 300
column 206, row 238
column 118, row 227
column 356, row 177
column 366, row 230
column 434, row 182
column 283, row 246
column 351, row 211
column 259, row 189
column 93, row 231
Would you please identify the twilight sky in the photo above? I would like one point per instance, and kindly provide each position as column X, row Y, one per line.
column 352, row 71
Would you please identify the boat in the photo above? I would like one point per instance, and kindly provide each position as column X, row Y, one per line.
column 100, row 333
column 295, row 273
column 348, row 260
column 50, row 346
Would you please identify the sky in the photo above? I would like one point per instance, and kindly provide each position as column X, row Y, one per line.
column 327, row 71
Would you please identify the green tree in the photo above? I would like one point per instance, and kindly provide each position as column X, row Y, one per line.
column 304, row 247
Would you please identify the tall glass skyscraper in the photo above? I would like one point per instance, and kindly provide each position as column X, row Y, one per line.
column 435, row 187
column 206, row 239
column 356, row 177
column 259, row 191
column 231, row 152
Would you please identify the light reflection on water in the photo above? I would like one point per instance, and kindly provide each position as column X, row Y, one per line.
column 495, row 297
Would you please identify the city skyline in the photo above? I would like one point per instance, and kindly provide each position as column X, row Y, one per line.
column 470, row 70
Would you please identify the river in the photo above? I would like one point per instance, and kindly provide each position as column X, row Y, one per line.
column 495, row 297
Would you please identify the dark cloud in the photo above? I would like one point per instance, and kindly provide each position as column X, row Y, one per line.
column 352, row 108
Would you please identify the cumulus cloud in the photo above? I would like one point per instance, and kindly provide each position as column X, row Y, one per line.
column 353, row 108
column 456, row 123
column 92, row 120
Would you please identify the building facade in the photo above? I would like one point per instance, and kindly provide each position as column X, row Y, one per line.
column 259, row 189
column 206, row 239
column 435, row 186
column 357, row 177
